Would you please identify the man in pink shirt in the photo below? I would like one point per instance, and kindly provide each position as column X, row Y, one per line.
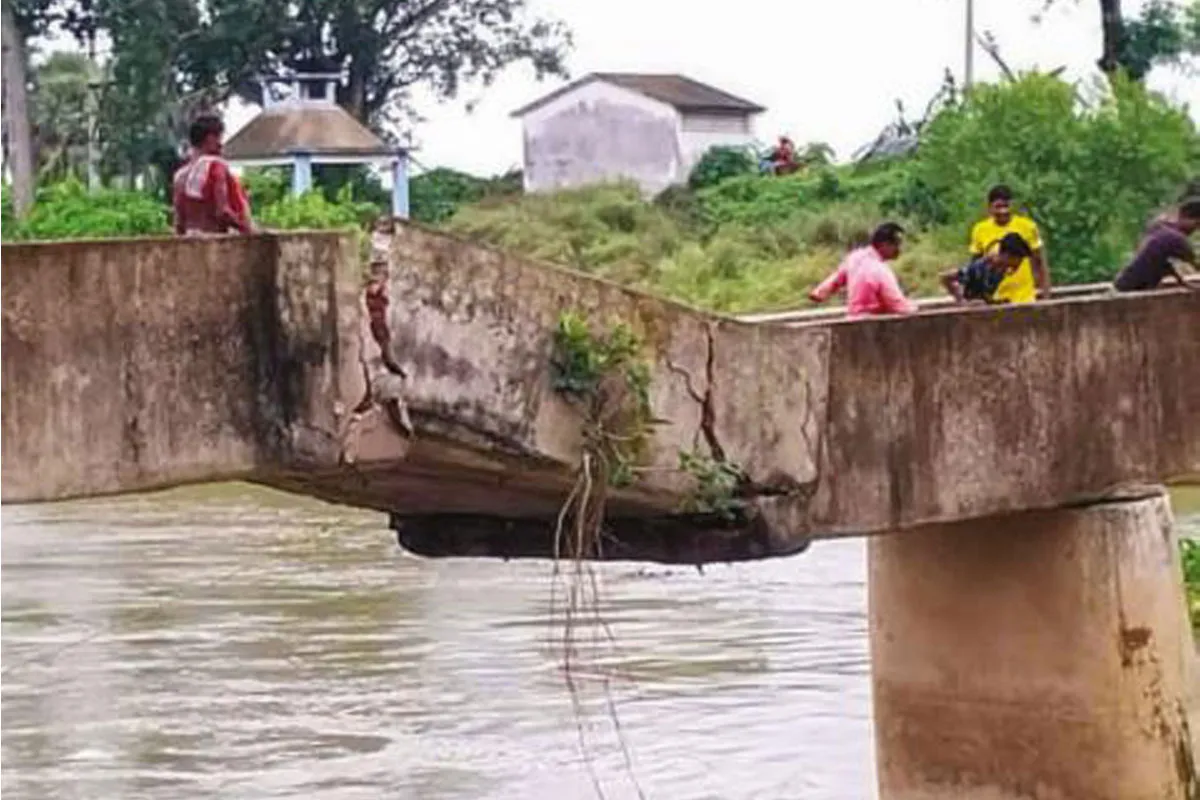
column 871, row 286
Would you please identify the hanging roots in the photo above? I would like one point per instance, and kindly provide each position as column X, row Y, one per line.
column 609, row 386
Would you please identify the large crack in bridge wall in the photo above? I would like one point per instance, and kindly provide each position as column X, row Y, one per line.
column 843, row 428
column 717, row 384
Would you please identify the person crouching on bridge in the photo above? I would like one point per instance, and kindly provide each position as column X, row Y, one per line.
column 1031, row 280
column 1166, row 240
column 980, row 279
column 208, row 197
column 870, row 284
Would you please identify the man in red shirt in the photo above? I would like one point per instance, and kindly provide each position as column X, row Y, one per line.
column 870, row 284
column 208, row 197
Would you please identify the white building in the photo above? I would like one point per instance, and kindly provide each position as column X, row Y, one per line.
column 648, row 128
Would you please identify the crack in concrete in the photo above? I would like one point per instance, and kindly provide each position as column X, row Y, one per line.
column 708, row 412
column 390, row 394
column 382, row 391
column 748, row 487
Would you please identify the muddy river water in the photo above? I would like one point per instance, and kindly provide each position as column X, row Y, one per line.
column 230, row 641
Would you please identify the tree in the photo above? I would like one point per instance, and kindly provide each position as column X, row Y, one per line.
column 385, row 48
column 170, row 58
column 1164, row 33
column 1112, row 26
column 154, row 82
column 18, row 132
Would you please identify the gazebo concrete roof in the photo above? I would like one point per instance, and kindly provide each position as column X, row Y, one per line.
column 306, row 128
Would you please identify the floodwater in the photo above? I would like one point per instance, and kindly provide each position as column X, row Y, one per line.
column 229, row 641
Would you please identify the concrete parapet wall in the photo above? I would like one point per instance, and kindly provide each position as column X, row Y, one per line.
column 964, row 414
column 135, row 364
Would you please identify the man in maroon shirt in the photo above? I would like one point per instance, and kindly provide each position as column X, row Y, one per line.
column 1166, row 240
column 208, row 197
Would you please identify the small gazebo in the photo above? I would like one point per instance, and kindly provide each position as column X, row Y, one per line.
column 301, row 124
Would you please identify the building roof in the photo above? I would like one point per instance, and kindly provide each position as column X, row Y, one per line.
column 679, row 91
column 313, row 128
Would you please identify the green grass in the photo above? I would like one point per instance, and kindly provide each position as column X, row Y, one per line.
column 1190, row 552
column 727, row 249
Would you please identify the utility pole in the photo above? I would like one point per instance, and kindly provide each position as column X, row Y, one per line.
column 969, row 50
column 93, row 165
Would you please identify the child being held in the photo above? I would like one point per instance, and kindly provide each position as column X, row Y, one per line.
column 979, row 279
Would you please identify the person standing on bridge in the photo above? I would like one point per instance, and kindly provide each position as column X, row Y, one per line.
column 1029, row 281
column 870, row 284
column 1166, row 240
column 208, row 197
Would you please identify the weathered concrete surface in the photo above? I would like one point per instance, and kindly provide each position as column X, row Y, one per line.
column 473, row 329
column 429, row 397
column 1038, row 657
column 960, row 415
column 139, row 364
column 856, row 428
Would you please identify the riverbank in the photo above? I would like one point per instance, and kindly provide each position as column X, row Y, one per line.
column 1186, row 501
column 1190, row 551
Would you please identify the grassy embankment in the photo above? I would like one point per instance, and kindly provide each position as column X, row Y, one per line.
column 748, row 243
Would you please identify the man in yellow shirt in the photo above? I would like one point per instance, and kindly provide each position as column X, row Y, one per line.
column 1031, row 279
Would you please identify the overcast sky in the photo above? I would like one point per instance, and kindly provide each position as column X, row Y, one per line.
column 827, row 71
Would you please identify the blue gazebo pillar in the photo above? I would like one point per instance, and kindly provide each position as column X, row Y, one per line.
column 400, row 185
column 301, row 173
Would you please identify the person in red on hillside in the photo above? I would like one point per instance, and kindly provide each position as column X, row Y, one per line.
column 208, row 197
column 782, row 160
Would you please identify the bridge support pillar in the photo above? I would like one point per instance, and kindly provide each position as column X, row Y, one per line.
column 1039, row 655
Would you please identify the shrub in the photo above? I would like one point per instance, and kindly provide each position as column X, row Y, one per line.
column 435, row 196
column 758, row 200
column 610, row 231
column 358, row 181
column 1091, row 174
column 720, row 163
column 313, row 210
column 266, row 186
column 67, row 210
column 589, row 229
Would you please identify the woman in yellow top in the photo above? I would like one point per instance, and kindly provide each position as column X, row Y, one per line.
column 1031, row 279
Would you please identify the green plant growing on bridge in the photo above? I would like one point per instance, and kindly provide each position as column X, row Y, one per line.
column 717, row 484
column 606, row 379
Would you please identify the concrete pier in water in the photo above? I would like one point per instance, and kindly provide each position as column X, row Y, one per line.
column 1039, row 655
column 1028, row 629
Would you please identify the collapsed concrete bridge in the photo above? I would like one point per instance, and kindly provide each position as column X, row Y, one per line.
column 1025, row 602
